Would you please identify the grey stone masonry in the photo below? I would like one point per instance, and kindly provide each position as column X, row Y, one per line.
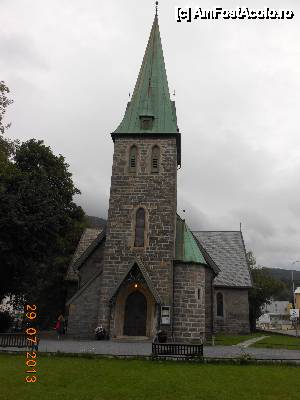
column 157, row 194
column 236, row 311
column 83, row 309
column 189, row 301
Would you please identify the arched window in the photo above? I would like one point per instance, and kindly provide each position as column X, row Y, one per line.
column 132, row 159
column 220, row 305
column 139, row 228
column 155, row 160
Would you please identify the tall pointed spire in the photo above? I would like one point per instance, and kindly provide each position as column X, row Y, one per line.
column 151, row 97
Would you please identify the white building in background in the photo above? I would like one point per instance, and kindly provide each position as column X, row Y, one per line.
column 277, row 307
column 275, row 315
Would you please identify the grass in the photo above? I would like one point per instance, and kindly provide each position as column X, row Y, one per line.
column 275, row 341
column 111, row 379
column 279, row 342
column 229, row 340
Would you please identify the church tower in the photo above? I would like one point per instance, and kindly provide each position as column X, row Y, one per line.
column 147, row 271
column 136, row 293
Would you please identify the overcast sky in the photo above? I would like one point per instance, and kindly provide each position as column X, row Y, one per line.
column 70, row 65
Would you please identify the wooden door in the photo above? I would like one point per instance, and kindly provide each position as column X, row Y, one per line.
column 135, row 314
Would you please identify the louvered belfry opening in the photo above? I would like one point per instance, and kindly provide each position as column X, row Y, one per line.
column 133, row 159
column 155, row 160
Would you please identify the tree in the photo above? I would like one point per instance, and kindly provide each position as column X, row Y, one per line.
column 265, row 287
column 6, row 146
column 40, row 225
column 5, row 321
column 4, row 103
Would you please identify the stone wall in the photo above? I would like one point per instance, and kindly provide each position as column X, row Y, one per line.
column 157, row 194
column 83, row 311
column 189, row 301
column 236, row 311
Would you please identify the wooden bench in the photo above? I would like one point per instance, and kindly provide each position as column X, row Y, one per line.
column 18, row 340
column 177, row 350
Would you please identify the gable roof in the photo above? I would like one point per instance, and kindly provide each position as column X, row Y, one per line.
column 88, row 237
column 227, row 249
column 139, row 264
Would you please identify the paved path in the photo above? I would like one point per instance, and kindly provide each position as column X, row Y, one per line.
column 144, row 349
column 249, row 342
column 290, row 332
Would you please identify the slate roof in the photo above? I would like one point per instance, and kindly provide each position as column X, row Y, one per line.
column 227, row 250
column 223, row 250
column 88, row 236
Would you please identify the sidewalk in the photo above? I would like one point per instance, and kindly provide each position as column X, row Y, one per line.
column 144, row 349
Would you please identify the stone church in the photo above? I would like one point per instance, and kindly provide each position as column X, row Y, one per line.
column 145, row 270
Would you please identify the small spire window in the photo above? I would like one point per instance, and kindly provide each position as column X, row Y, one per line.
column 146, row 122
column 132, row 159
column 139, row 228
column 155, row 160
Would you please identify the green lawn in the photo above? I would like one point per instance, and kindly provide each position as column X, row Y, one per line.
column 279, row 342
column 273, row 341
column 229, row 340
column 70, row 378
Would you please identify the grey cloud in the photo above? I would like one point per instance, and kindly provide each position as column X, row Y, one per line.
column 18, row 51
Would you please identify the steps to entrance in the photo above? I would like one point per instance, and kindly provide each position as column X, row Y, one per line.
column 131, row 339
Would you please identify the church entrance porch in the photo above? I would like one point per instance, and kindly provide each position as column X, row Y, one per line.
column 134, row 312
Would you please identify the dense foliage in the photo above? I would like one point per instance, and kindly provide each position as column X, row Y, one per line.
column 5, row 321
column 265, row 287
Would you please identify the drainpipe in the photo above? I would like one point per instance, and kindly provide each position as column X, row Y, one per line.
column 172, row 305
column 212, row 306
column 109, row 317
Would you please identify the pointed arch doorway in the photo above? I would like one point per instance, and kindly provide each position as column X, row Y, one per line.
column 135, row 316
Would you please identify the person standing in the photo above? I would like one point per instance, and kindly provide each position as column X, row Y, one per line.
column 60, row 326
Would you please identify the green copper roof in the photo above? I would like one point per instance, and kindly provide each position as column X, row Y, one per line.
column 186, row 248
column 151, row 97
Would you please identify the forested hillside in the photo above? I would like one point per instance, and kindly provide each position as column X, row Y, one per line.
column 285, row 275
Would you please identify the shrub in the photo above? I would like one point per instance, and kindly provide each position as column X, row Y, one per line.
column 5, row 321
